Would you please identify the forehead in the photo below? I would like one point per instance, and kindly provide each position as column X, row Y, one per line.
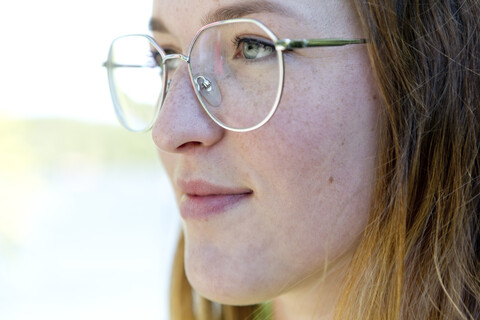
column 321, row 17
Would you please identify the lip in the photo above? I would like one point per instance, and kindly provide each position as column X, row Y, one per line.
column 202, row 200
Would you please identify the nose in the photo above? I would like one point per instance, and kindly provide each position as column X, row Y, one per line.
column 182, row 122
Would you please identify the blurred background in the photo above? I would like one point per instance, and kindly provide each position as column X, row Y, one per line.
column 87, row 219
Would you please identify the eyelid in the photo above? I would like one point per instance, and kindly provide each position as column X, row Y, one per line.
column 170, row 50
column 166, row 44
column 260, row 39
column 246, row 38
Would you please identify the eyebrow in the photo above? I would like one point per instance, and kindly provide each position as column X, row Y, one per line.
column 243, row 9
column 230, row 12
column 157, row 25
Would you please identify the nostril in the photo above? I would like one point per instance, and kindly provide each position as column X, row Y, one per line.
column 189, row 146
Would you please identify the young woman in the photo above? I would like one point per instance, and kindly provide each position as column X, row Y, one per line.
column 323, row 154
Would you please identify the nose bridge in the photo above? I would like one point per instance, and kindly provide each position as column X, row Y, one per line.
column 182, row 119
column 176, row 56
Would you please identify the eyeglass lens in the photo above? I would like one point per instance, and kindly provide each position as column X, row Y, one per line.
column 234, row 68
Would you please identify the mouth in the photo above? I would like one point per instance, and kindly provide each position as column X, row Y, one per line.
column 202, row 200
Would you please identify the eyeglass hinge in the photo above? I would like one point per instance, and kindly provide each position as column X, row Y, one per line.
column 283, row 44
column 287, row 44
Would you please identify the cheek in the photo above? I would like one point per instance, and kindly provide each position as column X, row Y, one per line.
column 314, row 162
column 324, row 136
column 328, row 112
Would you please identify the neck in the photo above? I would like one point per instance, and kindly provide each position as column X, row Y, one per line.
column 315, row 297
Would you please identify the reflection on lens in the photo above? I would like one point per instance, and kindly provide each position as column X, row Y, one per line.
column 135, row 81
column 208, row 90
column 239, row 71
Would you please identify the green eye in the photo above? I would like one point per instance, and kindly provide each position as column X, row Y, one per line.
column 252, row 49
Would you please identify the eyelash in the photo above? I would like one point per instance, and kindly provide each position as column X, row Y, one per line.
column 171, row 64
column 237, row 41
column 156, row 54
column 170, row 51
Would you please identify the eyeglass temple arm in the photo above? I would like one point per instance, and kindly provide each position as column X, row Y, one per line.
column 287, row 44
column 108, row 64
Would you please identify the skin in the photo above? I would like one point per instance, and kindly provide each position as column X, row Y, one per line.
column 310, row 168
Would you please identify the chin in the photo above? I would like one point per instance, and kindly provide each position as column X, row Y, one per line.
column 224, row 281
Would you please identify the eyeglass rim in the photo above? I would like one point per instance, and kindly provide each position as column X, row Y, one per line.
column 113, row 91
column 281, row 72
column 280, row 46
column 165, row 57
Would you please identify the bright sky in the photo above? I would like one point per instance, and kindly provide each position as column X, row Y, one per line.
column 51, row 55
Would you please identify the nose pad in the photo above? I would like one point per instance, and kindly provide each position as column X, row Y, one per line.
column 208, row 89
column 182, row 122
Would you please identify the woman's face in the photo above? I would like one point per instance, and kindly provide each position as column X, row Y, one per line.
column 263, row 211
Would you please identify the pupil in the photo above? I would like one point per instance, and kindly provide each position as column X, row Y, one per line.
column 251, row 50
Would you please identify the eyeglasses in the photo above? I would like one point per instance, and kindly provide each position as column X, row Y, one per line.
column 236, row 68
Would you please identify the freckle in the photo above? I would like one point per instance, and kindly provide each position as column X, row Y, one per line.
column 330, row 180
column 375, row 97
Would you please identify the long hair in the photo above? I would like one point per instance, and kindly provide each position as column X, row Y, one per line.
column 419, row 257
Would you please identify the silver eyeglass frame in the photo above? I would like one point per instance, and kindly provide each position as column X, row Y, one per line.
column 281, row 45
